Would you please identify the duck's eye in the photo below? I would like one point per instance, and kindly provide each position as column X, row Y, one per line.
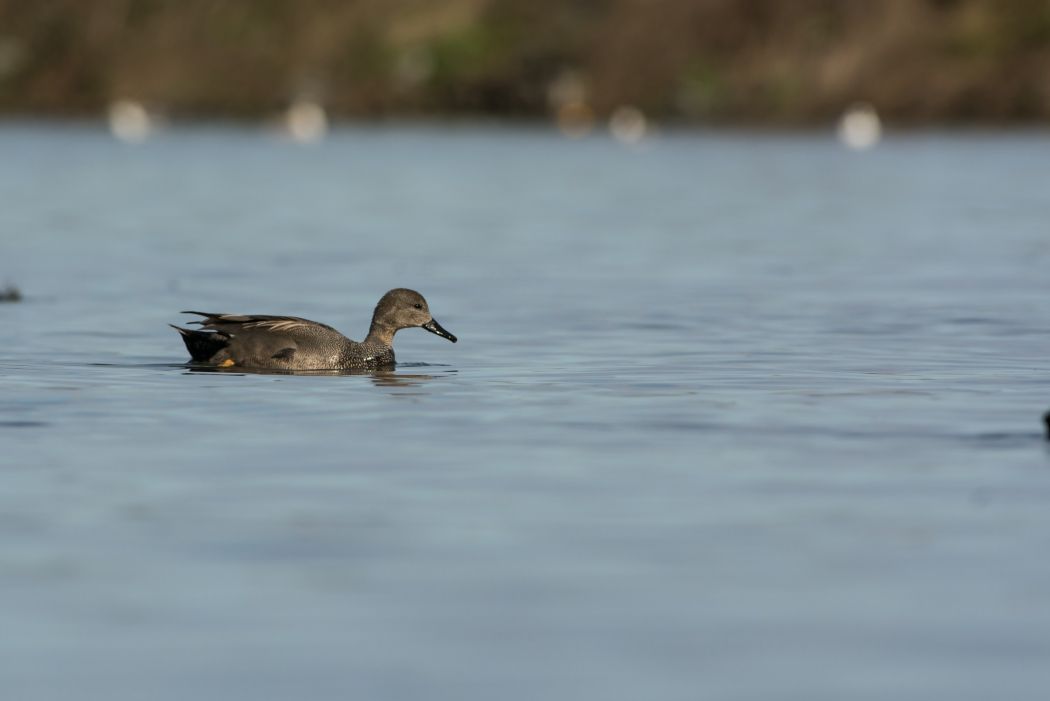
column 417, row 305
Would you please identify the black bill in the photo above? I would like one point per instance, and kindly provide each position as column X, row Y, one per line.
column 436, row 328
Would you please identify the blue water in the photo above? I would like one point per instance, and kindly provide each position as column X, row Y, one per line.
column 732, row 416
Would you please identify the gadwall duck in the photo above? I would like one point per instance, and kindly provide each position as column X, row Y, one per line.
column 291, row 343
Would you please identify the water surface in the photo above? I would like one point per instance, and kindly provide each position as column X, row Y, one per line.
column 731, row 416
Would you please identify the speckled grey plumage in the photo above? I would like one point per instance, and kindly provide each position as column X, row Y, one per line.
column 291, row 343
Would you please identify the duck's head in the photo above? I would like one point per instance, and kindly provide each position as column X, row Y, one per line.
column 405, row 309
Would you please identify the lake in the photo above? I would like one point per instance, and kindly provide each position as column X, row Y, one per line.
column 732, row 415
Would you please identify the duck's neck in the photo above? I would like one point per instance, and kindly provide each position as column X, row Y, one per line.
column 381, row 334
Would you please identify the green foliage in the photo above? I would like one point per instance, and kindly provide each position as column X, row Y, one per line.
column 463, row 55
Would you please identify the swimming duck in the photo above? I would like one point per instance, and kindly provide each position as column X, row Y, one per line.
column 290, row 343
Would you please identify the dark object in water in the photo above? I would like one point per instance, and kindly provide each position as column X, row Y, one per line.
column 291, row 343
column 1046, row 420
column 10, row 294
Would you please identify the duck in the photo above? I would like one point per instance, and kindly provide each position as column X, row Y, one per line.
column 290, row 343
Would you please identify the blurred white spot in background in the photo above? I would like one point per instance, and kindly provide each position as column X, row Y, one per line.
column 129, row 121
column 628, row 125
column 567, row 87
column 306, row 121
column 567, row 98
column 575, row 119
column 860, row 127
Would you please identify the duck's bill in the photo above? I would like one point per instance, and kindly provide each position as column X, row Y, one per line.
column 436, row 328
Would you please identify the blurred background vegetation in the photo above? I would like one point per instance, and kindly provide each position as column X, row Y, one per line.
column 713, row 61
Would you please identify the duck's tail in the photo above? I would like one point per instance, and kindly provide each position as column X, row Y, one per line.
column 203, row 345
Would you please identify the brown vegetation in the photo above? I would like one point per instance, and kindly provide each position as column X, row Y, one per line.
column 767, row 61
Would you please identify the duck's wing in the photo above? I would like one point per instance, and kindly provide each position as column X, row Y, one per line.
column 264, row 341
column 232, row 323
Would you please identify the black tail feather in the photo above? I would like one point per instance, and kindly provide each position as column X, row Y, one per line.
column 202, row 345
column 207, row 317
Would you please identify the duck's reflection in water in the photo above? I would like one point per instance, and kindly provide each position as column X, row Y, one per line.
column 392, row 379
column 387, row 379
